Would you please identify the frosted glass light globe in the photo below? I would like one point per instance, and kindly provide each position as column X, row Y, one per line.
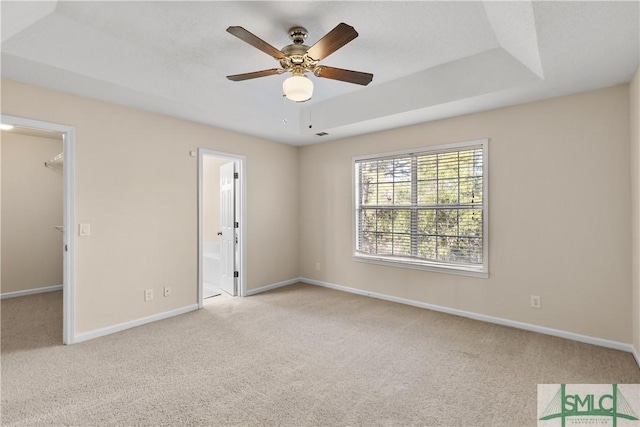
column 298, row 88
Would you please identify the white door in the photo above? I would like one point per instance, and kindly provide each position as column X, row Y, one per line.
column 227, row 221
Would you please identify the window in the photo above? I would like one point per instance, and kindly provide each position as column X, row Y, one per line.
column 424, row 209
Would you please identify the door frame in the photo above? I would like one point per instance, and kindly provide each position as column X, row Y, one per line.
column 68, row 217
column 241, row 211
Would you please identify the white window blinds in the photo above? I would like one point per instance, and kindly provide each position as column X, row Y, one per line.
column 423, row 208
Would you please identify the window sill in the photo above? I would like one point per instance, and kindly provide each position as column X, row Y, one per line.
column 437, row 268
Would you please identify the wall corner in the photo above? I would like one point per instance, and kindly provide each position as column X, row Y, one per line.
column 634, row 133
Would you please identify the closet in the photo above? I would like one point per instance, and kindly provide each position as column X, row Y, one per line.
column 32, row 212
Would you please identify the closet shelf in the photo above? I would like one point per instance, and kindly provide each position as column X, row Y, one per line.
column 57, row 160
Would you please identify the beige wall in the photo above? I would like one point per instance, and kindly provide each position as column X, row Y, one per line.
column 211, row 196
column 137, row 187
column 559, row 214
column 0, row 212
column 559, row 209
column 31, row 207
column 634, row 110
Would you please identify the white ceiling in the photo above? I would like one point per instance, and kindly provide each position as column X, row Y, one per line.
column 430, row 60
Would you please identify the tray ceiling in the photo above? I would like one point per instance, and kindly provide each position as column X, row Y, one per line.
column 430, row 60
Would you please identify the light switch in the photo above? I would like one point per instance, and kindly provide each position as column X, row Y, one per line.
column 85, row 229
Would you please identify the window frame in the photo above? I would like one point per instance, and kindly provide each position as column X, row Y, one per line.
column 481, row 271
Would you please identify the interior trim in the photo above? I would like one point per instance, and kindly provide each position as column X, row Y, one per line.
column 86, row 336
column 266, row 288
column 33, row 291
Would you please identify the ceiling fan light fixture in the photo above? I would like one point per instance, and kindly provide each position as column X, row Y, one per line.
column 298, row 88
column 298, row 59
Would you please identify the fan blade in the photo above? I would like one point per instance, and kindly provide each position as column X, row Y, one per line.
column 255, row 74
column 255, row 41
column 332, row 41
column 348, row 76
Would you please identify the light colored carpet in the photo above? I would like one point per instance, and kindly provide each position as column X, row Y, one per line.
column 296, row 356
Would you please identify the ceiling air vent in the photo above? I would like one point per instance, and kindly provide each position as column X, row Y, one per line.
column 322, row 134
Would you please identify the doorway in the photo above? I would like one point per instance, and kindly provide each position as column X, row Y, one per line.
column 221, row 225
column 65, row 166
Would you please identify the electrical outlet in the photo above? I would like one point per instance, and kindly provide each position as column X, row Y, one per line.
column 167, row 291
column 535, row 301
column 148, row 295
column 317, row 266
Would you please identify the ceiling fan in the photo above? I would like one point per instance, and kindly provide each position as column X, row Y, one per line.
column 298, row 59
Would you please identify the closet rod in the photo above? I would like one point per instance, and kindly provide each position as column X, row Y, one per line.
column 56, row 159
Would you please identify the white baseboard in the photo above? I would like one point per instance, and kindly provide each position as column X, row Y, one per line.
column 636, row 355
column 42, row 290
column 270, row 287
column 85, row 336
column 483, row 317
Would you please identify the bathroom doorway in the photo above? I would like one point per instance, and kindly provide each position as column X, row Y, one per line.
column 38, row 210
column 221, row 225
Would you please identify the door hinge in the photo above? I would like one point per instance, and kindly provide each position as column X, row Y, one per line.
column 66, row 248
column 235, row 274
column 236, row 225
column 235, row 175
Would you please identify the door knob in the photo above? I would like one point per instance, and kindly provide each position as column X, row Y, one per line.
column 219, row 233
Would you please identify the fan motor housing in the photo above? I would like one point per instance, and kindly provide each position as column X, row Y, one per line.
column 295, row 49
column 296, row 58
